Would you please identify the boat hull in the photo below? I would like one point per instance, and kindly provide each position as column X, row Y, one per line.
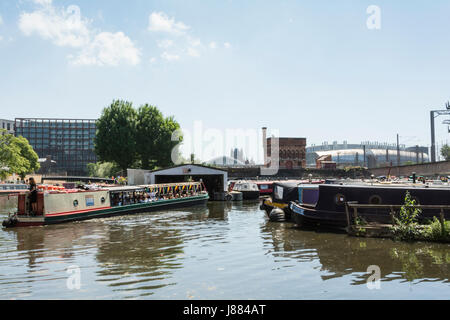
column 108, row 212
column 310, row 217
column 250, row 195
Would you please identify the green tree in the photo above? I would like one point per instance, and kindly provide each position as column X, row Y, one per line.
column 148, row 130
column 103, row 169
column 16, row 156
column 30, row 163
column 165, row 143
column 115, row 140
column 154, row 143
column 445, row 152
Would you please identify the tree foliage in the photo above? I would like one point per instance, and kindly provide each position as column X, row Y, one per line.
column 148, row 129
column 103, row 169
column 445, row 152
column 16, row 156
column 115, row 136
column 139, row 138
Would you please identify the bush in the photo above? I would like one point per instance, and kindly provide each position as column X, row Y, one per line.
column 406, row 226
column 434, row 232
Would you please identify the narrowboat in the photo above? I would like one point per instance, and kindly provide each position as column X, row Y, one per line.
column 330, row 209
column 59, row 206
column 265, row 187
column 248, row 189
column 285, row 192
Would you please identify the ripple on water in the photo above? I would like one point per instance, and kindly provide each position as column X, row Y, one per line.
column 222, row 251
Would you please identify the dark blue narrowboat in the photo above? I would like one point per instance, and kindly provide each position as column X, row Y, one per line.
column 330, row 209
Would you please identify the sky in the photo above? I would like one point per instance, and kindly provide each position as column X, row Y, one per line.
column 324, row 70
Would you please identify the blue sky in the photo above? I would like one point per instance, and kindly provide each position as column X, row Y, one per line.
column 307, row 68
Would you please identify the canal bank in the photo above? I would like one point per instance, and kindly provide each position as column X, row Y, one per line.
column 225, row 250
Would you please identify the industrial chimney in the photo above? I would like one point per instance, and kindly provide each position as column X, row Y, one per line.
column 264, row 133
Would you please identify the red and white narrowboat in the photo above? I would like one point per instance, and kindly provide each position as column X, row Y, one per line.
column 59, row 206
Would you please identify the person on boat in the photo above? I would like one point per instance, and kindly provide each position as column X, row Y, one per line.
column 33, row 195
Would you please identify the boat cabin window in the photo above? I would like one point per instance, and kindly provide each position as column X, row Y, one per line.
column 278, row 192
column 375, row 199
column 339, row 199
column 145, row 195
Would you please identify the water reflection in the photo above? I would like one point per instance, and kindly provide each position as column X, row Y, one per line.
column 37, row 244
column 139, row 257
column 340, row 255
column 225, row 250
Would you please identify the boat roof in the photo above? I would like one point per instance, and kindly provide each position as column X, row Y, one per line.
column 384, row 186
column 264, row 182
column 245, row 182
column 125, row 188
column 169, row 184
column 286, row 184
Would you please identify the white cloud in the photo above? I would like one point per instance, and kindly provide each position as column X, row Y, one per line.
column 43, row 2
column 165, row 43
column 227, row 45
column 184, row 45
column 160, row 22
column 109, row 49
column 1, row 20
column 66, row 27
column 62, row 27
column 193, row 52
column 170, row 57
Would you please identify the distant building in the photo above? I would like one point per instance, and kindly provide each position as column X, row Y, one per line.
column 368, row 154
column 48, row 166
column 68, row 142
column 292, row 152
column 237, row 155
column 7, row 125
column 325, row 162
column 225, row 161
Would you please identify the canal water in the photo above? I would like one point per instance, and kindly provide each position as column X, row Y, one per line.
column 217, row 251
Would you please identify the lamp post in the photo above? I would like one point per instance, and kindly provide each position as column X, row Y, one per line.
column 434, row 114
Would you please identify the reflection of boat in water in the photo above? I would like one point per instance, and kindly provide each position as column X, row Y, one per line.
column 248, row 189
column 330, row 209
column 340, row 255
column 60, row 206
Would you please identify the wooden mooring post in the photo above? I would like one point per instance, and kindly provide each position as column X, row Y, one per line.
column 350, row 219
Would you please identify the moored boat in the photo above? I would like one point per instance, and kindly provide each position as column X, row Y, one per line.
column 10, row 188
column 248, row 189
column 265, row 187
column 59, row 206
column 330, row 209
column 285, row 192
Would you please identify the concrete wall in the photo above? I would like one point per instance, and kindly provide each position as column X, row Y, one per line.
column 426, row 169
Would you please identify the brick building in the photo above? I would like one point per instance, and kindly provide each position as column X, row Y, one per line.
column 292, row 152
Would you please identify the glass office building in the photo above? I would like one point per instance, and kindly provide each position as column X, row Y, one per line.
column 69, row 142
